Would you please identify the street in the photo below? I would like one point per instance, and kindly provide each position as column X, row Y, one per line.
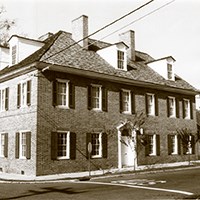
column 177, row 184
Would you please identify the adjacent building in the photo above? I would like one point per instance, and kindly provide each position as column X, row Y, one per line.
column 57, row 96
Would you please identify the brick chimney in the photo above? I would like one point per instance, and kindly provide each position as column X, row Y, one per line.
column 80, row 30
column 129, row 39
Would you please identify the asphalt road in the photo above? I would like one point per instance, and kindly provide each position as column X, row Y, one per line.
column 181, row 184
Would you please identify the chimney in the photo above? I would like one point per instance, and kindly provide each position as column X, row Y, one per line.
column 129, row 39
column 80, row 30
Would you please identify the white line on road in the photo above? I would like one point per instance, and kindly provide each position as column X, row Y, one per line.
column 139, row 187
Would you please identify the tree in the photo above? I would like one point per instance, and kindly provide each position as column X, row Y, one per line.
column 5, row 27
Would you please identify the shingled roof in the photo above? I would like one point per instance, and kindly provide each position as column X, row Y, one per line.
column 56, row 52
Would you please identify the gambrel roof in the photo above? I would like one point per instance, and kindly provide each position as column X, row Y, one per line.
column 56, row 52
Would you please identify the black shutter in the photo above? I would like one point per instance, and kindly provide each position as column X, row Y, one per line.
column 54, row 145
column 104, row 99
column 72, row 146
column 7, row 99
column 17, row 145
column 183, row 104
column 133, row 103
column 158, row 145
column 104, row 145
column 71, row 95
column 29, row 92
column 121, row 101
column 177, row 108
column 156, row 105
column 146, row 104
column 88, row 139
column 18, row 95
column 55, row 85
column 179, row 144
column 168, row 107
column 191, row 109
column 6, row 145
column 169, row 139
column 147, row 146
column 89, row 97
column 193, row 144
column 28, row 145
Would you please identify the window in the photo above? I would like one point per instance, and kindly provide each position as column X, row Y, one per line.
column 153, row 145
column 171, row 107
column 120, row 59
column 125, row 101
column 23, row 145
column 99, row 144
column 173, row 145
column 24, row 94
column 63, row 94
column 169, row 71
column 186, row 109
column 4, row 145
column 4, row 99
column 14, row 55
column 97, row 97
column 63, row 145
column 189, row 148
column 150, row 104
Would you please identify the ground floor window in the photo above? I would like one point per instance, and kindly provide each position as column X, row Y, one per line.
column 3, row 144
column 152, row 147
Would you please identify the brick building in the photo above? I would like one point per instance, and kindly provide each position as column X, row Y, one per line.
column 57, row 96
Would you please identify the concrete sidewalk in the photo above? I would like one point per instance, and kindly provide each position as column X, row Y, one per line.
column 7, row 177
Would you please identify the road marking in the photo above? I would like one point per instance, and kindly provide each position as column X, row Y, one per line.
column 138, row 187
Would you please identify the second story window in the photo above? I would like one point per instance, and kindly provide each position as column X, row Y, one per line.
column 171, row 106
column 186, row 109
column 151, row 105
column 4, row 99
column 24, row 94
column 63, row 94
column 97, row 97
column 14, row 55
column 120, row 59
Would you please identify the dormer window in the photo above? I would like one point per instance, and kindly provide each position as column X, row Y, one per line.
column 120, row 59
column 14, row 54
column 169, row 71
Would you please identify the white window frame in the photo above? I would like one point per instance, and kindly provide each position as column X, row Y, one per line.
column 99, row 97
column 67, row 145
column 188, row 116
column 120, row 60
column 66, row 93
column 169, row 71
column 189, row 147
column 100, row 145
column 153, row 112
column 173, row 107
column 2, row 99
column 21, row 156
column 153, row 150
column 174, row 145
column 2, row 146
column 128, row 102
column 23, row 93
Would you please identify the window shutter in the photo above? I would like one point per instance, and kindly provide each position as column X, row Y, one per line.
column 7, row 99
column 18, row 95
column 156, row 105
column 168, row 111
column 147, row 146
column 104, row 145
column 88, row 139
column 54, row 93
column 54, row 145
column 29, row 92
column 72, row 146
column 158, row 145
column 183, row 104
column 28, row 145
column 193, row 144
column 191, row 109
column 104, row 99
column 71, row 95
column 179, row 144
column 121, row 101
column 133, row 103
column 17, row 145
column 89, row 97
column 146, row 104
column 6, row 145
column 177, row 108
column 169, row 137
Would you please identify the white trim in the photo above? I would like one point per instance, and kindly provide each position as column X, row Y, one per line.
column 154, row 153
column 20, row 143
column 175, row 145
column 100, row 96
column 188, row 108
column 153, row 111
column 100, row 145
column 2, row 155
column 129, row 102
column 174, row 106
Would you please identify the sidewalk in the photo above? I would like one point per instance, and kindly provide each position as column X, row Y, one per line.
column 7, row 177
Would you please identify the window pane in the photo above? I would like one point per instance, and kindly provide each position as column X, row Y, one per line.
column 62, row 94
column 95, row 140
column 2, row 144
column 95, row 97
column 23, row 145
column 120, row 58
column 62, row 145
column 126, row 101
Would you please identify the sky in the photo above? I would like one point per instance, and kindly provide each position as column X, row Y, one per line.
column 173, row 30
